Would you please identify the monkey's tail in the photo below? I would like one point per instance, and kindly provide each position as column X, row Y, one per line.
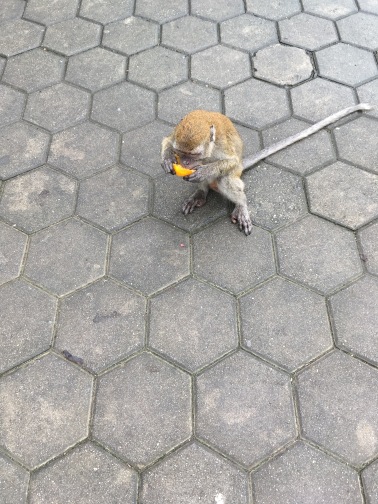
column 272, row 149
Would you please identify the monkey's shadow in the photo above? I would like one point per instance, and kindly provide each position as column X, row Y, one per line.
column 171, row 192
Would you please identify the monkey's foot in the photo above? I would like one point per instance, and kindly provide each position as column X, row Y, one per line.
column 196, row 201
column 241, row 217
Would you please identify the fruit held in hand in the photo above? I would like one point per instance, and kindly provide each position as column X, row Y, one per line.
column 180, row 171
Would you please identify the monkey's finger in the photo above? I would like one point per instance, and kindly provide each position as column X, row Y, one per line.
column 167, row 166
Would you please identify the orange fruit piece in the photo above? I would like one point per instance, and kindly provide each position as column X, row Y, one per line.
column 180, row 171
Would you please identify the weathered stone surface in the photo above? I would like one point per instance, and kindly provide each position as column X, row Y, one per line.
column 233, row 412
column 217, row 9
column 216, row 249
column 66, row 256
column 344, row 194
column 34, row 70
column 161, row 10
column 360, row 29
column 339, row 407
column 72, row 36
column 161, row 249
column 369, row 241
column 149, row 403
column 248, row 32
column 369, row 479
column 189, row 34
column 275, row 9
column 27, row 321
column 330, row 10
column 282, row 65
column 303, row 474
column 114, row 198
column 13, row 481
column 369, row 93
column 357, row 333
column 50, row 11
column 18, row 36
column 193, row 323
column 105, row 13
column 38, row 198
column 235, row 66
column 48, row 394
column 285, row 323
column 87, row 473
column 131, row 35
column 308, row 32
column 196, row 473
column 11, row 9
column 318, row 253
column 12, row 104
column 11, row 253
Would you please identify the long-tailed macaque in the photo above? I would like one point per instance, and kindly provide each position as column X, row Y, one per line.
column 209, row 143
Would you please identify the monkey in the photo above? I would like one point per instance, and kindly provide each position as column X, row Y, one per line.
column 209, row 143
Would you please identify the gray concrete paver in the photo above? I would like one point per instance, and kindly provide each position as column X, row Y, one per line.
column 226, row 369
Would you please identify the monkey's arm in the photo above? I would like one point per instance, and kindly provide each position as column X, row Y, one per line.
column 214, row 170
column 272, row 149
column 167, row 155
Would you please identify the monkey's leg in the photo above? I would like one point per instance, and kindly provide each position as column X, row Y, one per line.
column 233, row 189
column 197, row 199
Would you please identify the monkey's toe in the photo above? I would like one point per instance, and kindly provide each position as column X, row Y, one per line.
column 192, row 203
column 243, row 220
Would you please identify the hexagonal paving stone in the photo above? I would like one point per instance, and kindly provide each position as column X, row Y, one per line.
column 344, row 194
column 275, row 197
column 124, row 106
column 12, row 104
column 318, row 253
column 308, row 32
column 102, row 324
column 208, row 316
column 282, row 65
column 262, row 105
column 369, row 93
column 303, row 156
column 85, row 474
column 113, row 198
column 72, row 36
column 368, row 5
column 339, row 406
column 22, row 148
column 176, row 102
column 358, row 332
column 171, row 192
column 248, row 32
column 303, row 474
column 48, row 12
column 84, row 149
column 189, row 34
column 369, row 241
column 161, row 10
column 275, row 319
column 34, row 70
column 11, row 253
column 14, row 481
column 318, row 98
column 106, row 12
column 149, row 403
column 2, row 64
column 206, row 64
column 217, row 9
column 275, row 9
column 48, row 394
column 162, row 250
column 11, row 9
column 66, row 256
column 357, row 142
column 173, row 68
column 360, row 29
column 57, row 107
column 216, row 248
column 331, row 10
column 147, row 160
column 250, row 138
column 346, row 64
column 18, row 36
column 233, row 412
column 369, row 479
column 96, row 69
column 131, row 35
column 27, row 320
column 196, row 472
column 38, row 198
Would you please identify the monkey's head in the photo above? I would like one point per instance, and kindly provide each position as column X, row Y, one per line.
column 194, row 139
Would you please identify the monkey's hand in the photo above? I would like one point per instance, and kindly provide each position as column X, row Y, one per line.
column 201, row 173
column 167, row 165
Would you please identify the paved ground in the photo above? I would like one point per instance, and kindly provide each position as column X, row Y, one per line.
column 152, row 358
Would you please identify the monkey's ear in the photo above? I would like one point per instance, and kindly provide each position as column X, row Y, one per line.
column 212, row 133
